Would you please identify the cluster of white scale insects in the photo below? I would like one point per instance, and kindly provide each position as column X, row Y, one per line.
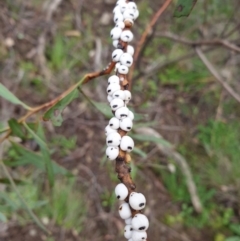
column 124, row 12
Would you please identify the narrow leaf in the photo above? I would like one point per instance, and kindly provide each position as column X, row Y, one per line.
column 151, row 139
column 27, row 157
column 16, row 128
column 55, row 113
column 6, row 94
column 184, row 8
column 45, row 152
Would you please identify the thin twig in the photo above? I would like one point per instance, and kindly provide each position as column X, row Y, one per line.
column 144, row 36
column 180, row 160
column 224, row 43
column 216, row 74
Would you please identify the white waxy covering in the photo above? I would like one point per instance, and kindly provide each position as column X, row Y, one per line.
column 116, row 55
column 127, row 143
column 119, row 94
column 132, row 5
column 128, row 221
column 122, row 69
column 115, row 43
column 126, row 59
column 112, row 88
column 129, row 14
column 130, row 50
column 130, row 115
column 139, row 236
column 116, row 33
column 109, row 98
column 121, row 191
column 137, row 201
column 128, row 95
column 123, row 6
column 122, row 113
column 112, row 152
column 126, row 36
column 116, row 104
column 128, row 231
column 126, row 124
column 136, row 13
column 114, row 79
column 113, row 139
column 140, row 222
column 120, row 25
column 118, row 17
column 114, row 123
column 109, row 130
column 125, row 211
column 117, row 10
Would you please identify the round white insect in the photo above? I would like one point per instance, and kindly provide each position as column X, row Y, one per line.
column 136, row 14
column 121, row 191
column 116, row 104
column 126, row 59
column 127, row 143
column 130, row 114
column 115, row 43
column 118, row 17
column 114, row 123
column 125, row 211
column 116, row 55
column 126, row 124
column 137, row 201
column 113, row 139
column 140, row 222
column 117, row 10
column 122, row 69
column 128, row 221
column 120, row 25
column 129, row 14
column 115, row 33
column 132, row 5
column 119, row 94
column 139, row 236
column 122, row 113
column 128, row 231
column 114, row 79
column 126, row 36
column 123, row 6
column 109, row 130
column 112, row 88
column 119, row 2
column 128, row 95
column 109, row 98
column 130, row 50
column 112, row 152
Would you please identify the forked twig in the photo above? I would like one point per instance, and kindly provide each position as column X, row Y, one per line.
column 144, row 36
column 216, row 74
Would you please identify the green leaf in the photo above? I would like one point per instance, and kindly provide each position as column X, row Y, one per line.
column 234, row 238
column 6, row 94
column 139, row 152
column 16, row 128
column 3, row 217
column 45, row 153
column 103, row 108
column 235, row 228
column 55, row 113
column 184, row 8
column 27, row 157
column 151, row 139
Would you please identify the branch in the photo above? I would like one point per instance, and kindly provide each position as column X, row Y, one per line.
column 224, row 43
column 216, row 74
column 49, row 104
column 144, row 36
